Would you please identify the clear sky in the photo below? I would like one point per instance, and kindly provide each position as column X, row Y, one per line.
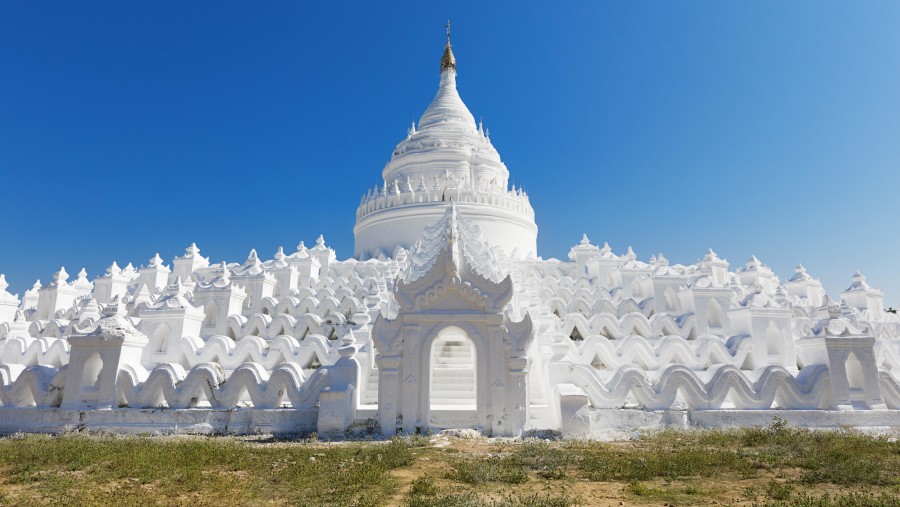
column 767, row 128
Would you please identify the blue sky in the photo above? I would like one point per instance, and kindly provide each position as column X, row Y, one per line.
column 766, row 128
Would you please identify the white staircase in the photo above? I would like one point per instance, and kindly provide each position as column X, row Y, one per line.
column 370, row 393
column 453, row 384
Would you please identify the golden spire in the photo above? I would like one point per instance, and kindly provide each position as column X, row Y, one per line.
column 448, row 61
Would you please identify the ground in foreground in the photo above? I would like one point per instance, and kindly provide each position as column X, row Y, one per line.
column 760, row 466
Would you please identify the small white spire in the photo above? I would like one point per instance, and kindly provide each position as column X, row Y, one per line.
column 252, row 259
column 320, row 244
column 191, row 250
column 61, row 275
column 753, row 262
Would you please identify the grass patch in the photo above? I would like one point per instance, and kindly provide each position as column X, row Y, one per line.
column 85, row 470
column 471, row 499
column 488, row 470
column 774, row 467
column 425, row 493
column 841, row 500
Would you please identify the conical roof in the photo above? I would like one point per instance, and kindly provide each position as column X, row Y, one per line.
column 447, row 105
column 447, row 141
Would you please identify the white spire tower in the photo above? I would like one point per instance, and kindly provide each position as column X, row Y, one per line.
column 448, row 150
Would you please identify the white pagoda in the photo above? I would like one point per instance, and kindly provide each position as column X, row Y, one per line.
column 445, row 317
column 447, row 157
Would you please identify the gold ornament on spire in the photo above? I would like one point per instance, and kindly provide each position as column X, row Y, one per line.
column 448, row 61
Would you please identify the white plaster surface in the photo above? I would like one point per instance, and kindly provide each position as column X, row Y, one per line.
column 601, row 342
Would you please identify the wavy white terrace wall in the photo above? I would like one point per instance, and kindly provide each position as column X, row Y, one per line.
column 614, row 352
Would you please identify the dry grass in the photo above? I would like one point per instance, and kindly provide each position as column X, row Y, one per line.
column 772, row 466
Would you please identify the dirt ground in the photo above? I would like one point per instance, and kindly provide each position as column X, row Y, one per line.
column 766, row 467
column 720, row 490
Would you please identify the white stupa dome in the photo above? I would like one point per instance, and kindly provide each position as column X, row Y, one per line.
column 446, row 157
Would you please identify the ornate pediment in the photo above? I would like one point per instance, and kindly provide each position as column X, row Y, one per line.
column 452, row 269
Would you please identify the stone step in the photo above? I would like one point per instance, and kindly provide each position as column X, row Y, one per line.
column 447, row 387
column 453, row 360
column 453, row 395
column 437, row 379
column 468, row 401
column 452, row 373
column 455, row 353
column 452, row 386
column 456, row 368
column 456, row 344
column 452, row 418
column 370, row 393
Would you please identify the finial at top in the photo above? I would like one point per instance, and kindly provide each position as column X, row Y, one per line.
column 448, row 61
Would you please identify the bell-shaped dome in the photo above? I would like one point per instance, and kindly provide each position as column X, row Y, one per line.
column 447, row 158
column 447, row 144
column 447, row 106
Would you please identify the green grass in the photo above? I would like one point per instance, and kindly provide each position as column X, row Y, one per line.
column 488, row 470
column 776, row 466
column 424, row 493
column 211, row 469
column 841, row 500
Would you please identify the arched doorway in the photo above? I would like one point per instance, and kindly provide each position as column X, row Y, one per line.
column 212, row 315
column 453, row 387
column 160, row 341
column 671, row 300
column 714, row 316
column 774, row 343
column 856, row 380
column 90, row 379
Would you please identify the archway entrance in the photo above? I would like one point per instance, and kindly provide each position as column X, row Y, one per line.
column 90, row 379
column 453, row 388
column 856, row 381
column 774, row 343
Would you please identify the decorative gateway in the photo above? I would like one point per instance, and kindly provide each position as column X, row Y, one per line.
column 455, row 324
